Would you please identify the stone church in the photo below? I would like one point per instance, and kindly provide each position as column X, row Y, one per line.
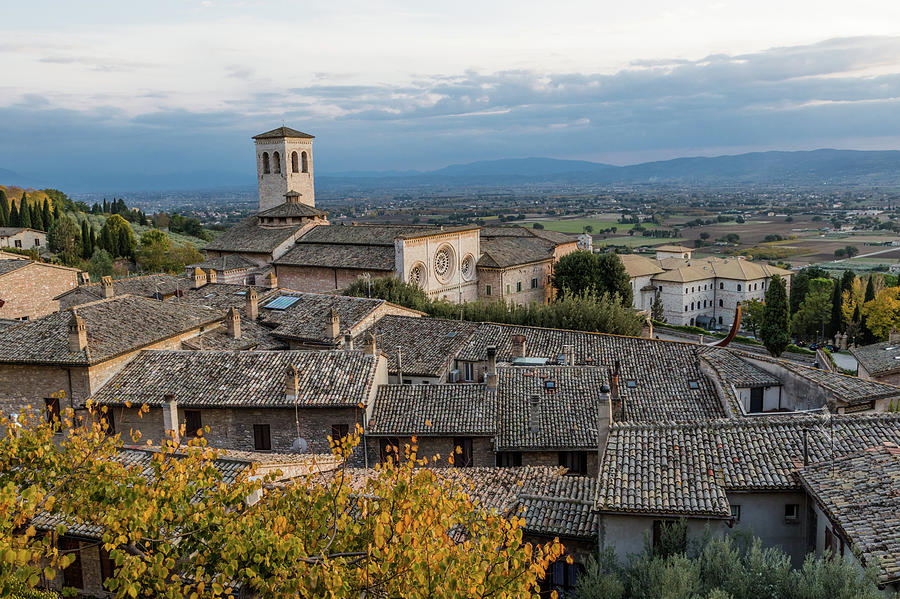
column 289, row 242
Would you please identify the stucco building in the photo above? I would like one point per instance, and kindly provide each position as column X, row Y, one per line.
column 22, row 238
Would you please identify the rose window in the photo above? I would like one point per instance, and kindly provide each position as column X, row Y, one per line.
column 442, row 262
column 417, row 275
column 467, row 267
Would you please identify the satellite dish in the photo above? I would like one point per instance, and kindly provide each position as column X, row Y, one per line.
column 299, row 445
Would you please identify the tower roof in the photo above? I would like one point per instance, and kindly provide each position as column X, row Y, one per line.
column 283, row 132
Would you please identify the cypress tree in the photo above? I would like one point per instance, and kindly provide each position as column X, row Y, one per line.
column 837, row 316
column 37, row 218
column 86, row 249
column 47, row 214
column 4, row 209
column 847, row 280
column 870, row 289
column 105, row 207
column 14, row 216
column 24, row 214
column 775, row 330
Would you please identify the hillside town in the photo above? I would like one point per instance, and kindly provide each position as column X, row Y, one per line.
column 599, row 440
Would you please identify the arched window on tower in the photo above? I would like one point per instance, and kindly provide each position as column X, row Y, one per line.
column 305, row 162
column 295, row 163
column 266, row 170
column 276, row 158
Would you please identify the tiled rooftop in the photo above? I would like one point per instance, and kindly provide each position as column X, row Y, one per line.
column 337, row 255
column 7, row 266
column 403, row 410
column 222, row 296
column 687, row 468
column 428, row 344
column 242, row 379
column 732, row 369
column 879, row 358
column 225, row 263
column 248, row 236
column 503, row 252
column 143, row 286
column 116, row 326
column 306, row 319
column 861, row 493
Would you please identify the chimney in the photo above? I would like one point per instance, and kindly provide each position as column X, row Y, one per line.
column 614, row 381
column 271, row 280
column 198, row 279
column 534, row 413
column 569, row 352
column 604, row 410
column 107, row 285
column 233, row 323
column 371, row 346
column 291, row 383
column 85, row 278
column 252, row 308
column 170, row 418
column 893, row 336
column 348, row 341
column 490, row 378
column 518, row 346
column 211, row 276
column 333, row 326
column 77, row 333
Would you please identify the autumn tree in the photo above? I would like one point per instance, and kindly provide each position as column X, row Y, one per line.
column 175, row 528
column 882, row 313
column 775, row 330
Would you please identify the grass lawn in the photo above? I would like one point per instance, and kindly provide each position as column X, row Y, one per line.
column 637, row 241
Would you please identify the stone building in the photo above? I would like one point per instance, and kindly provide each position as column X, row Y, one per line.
column 159, row 286
column 292, row 238
column 22, row 238
column 702, row 291
column 251, row 401
column 60, row 360
column 29, row 289
column 879, row 361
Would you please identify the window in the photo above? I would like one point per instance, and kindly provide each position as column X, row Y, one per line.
column 295, row 162
column 507, row 289
column 487, row 289
column 519, row 286
column 18, row 243
column 72, row 575
column 338, row 432
column 685, row 290
column 192, row 424
column 721, row 285
column 736, row 513
column 388, row 448
column 693, row 385
column 110, row 422
column 575, row 462
column 262, row 437
column 631, row 384
column 564, row 577
column 37, row 242
column 509, row 459
column 720, row 320
column 534, row 283
column 276, row 160
column 462, row 452
column 685, row 308
column 468, row 371
column 692, row 290
column 792, row 513
column 107, row 565
column 266, row 169
column 721, row 303
column 52, row 406
column 692, row 305
column 739, row 286
column 304, row 162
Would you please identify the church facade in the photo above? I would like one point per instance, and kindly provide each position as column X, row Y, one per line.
column 291, row 241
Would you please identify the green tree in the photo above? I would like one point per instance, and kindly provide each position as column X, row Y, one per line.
column 752, row 311
column 86, row 246
column 153, row 251
column 799, row 288
column 870, row 289
column 836, row 324
column 101, row 264
column 14, row 220
column 775, row 330
column 37, row 218
column 24, row 212
column 657, row 312
column 583, row 271
column 64, row 240
column 391, row 289
column 847, row 280
column 118, row 238
column 815, row 310
column 47, row 214
column 4, row 209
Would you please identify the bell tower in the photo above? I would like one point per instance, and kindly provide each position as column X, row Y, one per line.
column 284, row 163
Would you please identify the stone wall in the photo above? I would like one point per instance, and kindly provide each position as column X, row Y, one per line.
column 28, row 292
column 504, row 283
column 429, row 447
column 319, row 279
column 274, row 185
column 460, row 281
column 26, row 240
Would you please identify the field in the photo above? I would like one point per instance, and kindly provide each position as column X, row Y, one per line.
column 577, row 225
column 636, row 241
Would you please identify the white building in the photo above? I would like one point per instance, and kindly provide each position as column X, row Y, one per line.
column 699, row 292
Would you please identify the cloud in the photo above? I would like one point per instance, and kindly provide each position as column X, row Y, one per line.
column 785, row 97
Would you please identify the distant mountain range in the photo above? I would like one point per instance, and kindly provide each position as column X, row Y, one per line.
column 815, row 167
column 802, row 169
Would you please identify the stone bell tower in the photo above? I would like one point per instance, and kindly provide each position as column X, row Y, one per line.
column 284, row 163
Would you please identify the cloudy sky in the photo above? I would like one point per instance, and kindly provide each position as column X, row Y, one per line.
column 170, row 91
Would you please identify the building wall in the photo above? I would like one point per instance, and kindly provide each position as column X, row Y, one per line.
column 771, row 398
column 28, row 292
column 27, row 240
column 420, row 252
column 273, row 186
column 628, row 534
column 762, row 515
column 91, row 574
column 318, row 279
column 642, row 300
column 551, row 459
column 260, row 259
column 430, row 447
column 23, row 385
column 503, row 283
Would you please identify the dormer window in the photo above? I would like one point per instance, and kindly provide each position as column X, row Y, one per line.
column 693, row 385
column 631, row 384
column 550, row 385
